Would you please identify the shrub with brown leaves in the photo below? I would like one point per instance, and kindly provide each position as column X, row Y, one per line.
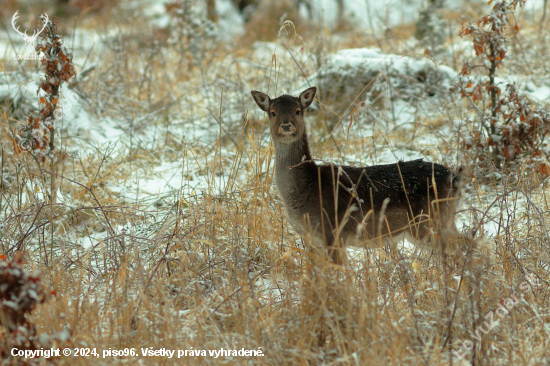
column 37, row 135
column 20, row 293
column 509, row 127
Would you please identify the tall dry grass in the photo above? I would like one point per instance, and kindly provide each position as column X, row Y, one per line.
column 220, row 267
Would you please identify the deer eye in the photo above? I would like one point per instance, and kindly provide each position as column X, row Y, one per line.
column 298, row 112
column 273, row 114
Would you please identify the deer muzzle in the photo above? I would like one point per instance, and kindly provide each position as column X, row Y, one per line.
column 287, row 129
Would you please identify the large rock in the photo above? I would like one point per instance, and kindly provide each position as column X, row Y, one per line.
column 350, row 71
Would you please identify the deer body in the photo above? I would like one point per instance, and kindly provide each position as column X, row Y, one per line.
column 354, row 205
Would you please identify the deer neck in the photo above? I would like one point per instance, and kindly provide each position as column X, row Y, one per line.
column 291, row 167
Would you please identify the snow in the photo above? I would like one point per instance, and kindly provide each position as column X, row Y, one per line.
column 381, row 13
column 353, row 60
column 539, row 93
column 230, row 23
column 157, row 15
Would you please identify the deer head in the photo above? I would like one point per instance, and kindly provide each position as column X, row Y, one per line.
column 28, row 39
column 286, row 113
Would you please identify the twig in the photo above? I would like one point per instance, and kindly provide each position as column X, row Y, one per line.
column 297, row 64
column 468, row 257
column 93, row 195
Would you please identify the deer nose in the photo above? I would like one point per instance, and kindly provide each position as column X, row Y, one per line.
column 287, row 127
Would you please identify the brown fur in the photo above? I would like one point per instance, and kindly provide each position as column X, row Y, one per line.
column 354, row 205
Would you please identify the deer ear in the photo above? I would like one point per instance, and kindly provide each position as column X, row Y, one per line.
column 306, row 98
column 262, row 100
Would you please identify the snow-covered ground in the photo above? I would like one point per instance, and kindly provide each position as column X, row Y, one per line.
column 203, row 160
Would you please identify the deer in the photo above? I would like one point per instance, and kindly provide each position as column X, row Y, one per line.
column 371, row 206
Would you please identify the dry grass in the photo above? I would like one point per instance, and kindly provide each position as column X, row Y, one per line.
column 220, row 267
